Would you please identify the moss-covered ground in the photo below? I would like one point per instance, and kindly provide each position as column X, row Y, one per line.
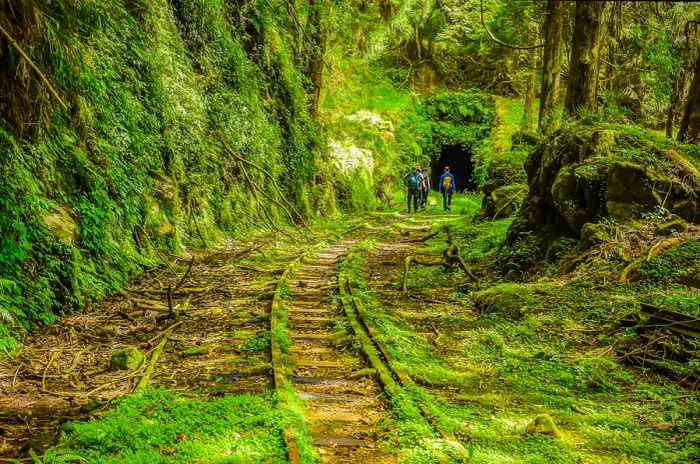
column 491, row 358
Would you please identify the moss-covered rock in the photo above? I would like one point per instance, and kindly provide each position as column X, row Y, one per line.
column 579, row 176
column 543, row 424
column 505, row 183
column 673, row 225
column 61, row 224
column 125, row 359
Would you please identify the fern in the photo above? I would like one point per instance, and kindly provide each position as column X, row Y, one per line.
column 6, row 316
column 9, row 283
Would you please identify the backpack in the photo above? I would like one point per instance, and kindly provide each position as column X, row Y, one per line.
column 423, row 182
column 413, row 180
column 447, row 183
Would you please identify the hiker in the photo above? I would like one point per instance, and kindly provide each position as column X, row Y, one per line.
column 447, row 188
column 412, row 191
column 425, row 187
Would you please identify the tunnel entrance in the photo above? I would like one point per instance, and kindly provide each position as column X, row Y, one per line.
column 461, row 165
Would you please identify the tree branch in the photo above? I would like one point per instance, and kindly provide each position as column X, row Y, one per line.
column 500, row 42
column 34, row 67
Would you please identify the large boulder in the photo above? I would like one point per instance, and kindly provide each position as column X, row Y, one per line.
column 583, row 175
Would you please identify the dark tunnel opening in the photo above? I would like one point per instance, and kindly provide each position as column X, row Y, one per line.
column 461, row 165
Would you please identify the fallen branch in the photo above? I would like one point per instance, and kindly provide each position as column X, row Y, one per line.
column 155, row 356
column 158, row 308
column 428, row 237
column 184, row 276
column 654, row 251
column 163, row 332
column 92, row 372
column 76, row 359
column 14, row 377
column 46, row 369
column 450, row 258
column 154, row 291
column 661, row 246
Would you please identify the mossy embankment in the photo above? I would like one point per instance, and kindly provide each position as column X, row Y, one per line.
column 133, row 156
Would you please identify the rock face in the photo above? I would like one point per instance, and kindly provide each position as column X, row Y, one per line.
column 581, row 176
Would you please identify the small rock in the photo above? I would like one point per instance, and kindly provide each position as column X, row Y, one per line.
column 543, row 424
column 128, row 358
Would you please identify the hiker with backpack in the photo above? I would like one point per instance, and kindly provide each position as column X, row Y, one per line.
column 411, row 179
column 447, row 188
column 425, row 187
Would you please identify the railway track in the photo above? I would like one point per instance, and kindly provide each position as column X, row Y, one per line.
column 344, row 377
column 342, row 402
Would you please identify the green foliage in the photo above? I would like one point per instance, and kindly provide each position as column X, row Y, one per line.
column 460, row 118
column 672, row 263
column 261, row 341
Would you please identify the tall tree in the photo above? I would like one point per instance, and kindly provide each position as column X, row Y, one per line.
column 689, row 129
column 314, row 50
column 530, row 91
column 582, row 85
column 551, row 65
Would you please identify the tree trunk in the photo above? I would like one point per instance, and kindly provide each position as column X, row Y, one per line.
column 315, row 51
column 530, row 91
column 582, row 87
column 609, row 71
column 551, row 65
column 689, row 129
column 672, row 116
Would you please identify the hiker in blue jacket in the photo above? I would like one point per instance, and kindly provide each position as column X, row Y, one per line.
column 411, row 179
column 447, row 188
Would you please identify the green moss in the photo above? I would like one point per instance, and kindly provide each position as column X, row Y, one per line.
column 151, row 86
column 158, row 425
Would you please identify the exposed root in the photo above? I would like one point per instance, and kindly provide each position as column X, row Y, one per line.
column 450, row 259
column 654, row 251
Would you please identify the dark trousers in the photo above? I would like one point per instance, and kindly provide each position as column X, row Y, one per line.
column 447, row 199
column 413, row 193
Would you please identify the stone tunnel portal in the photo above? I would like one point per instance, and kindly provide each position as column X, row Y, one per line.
column 461, row 165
